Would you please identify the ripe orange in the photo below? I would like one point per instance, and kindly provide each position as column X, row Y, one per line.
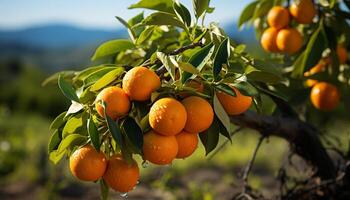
column 167, row 116
column 87, row 164
column 289, row 40
column 121, row 175
column 316, row 69
column 303, row 12
column 140, row 82
column 234, row 105
column 325, row 96
column 118, row 103
column 268, row 40
column 278, row 17
column 187, row 144
column 199, row 87
column 159, row 149
column 200, row 114
column 342, row 54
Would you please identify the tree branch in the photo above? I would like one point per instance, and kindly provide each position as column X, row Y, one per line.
column 302, row 136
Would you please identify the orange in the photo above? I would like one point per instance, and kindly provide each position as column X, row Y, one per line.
column 342, row 54
column 118, row 103
column 268, row 40
column 121, row 175
column 198, row 86
column 316, row 69
column 87, row 164
column 167, row 116
column 159, row 149
column 234, row 105
column 187, row 143
column 200, row 114
column 289, row 40
column 303, row 12
column 140, row 82
column 325, row 96
column 278, row 17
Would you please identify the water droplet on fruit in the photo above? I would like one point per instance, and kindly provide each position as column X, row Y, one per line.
column 144, row 164
column 124, row 195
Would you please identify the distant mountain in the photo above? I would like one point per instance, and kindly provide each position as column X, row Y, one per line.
column 58, row 36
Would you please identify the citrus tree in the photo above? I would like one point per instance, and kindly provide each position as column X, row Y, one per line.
column 177, row 81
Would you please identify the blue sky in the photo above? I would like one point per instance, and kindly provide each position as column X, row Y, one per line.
column 18, row 14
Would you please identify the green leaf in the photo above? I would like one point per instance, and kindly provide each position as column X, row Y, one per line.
column 72, row 140
column 133, row 132
column 160, row 5
column 182, row 13
column 262, row 8
column 162, row 18
column 54, row 77
column 246, row 88
column 312, row 53
column 145, row 35
column 200, row 6
column 131, row 32
column 73, row 125
column 87, row 96
column 58, row 121
column 112, row 47
column 226, row 89
column 93, row 133
column 104, row 189
column 189, row 68
column 199, row 60
column 224, row 132
column 107, row 79
column 82, row 75
column 136, row 19
column 221, row 113
column 54, row 141
column 67, row 89
column 113, row 127
column 221, row 56
column 95, row 76
column 168, row 63
column 210, row 137
column 247, row 13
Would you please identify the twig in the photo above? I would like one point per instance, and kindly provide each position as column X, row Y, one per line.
column 217, row 150
column 250, row 164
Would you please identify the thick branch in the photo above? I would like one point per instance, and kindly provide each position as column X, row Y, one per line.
column 301, row 135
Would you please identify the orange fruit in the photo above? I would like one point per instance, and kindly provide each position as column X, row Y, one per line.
column 342, row 54
column 278, row 17
column 198, row 86
column 325, row 96
column 118, row 103
column 316, row 69
column 159, row 149
column 140, row 82
column 289, row 40
column 200, row 114
column 87, row 164
column 187, row 143
column 121, row 175
column 234, row 105
column 268, row 40
column 303, row 12
column 167, row 116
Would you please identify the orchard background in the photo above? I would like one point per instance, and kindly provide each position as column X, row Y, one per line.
column 292, row 143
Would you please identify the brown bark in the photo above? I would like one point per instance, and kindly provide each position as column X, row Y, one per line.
column 302, row 136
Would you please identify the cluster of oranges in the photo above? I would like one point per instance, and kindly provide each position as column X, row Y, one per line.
column 279, row 37
column 175, row 125
column 325, row 96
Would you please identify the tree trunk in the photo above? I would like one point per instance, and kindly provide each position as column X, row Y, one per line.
column 301, row 135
